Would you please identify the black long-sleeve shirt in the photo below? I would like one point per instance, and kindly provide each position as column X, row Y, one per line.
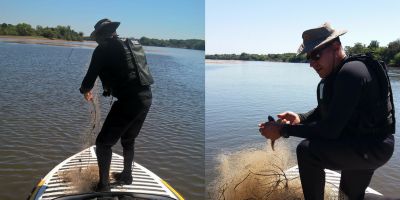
column 111, row 62
column 353, row 87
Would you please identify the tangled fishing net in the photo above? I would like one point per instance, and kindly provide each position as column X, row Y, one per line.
column 258, row 174
column 82, row 180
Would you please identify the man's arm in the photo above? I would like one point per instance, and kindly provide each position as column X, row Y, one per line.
column 346, row 95
column 91, row 74
column 290, row 117
column 310, row 116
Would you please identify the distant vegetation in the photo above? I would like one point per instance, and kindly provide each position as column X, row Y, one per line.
column 186, row 44
column 285, row 57
column 389, row 54
column 23, row 29
column 66, row 33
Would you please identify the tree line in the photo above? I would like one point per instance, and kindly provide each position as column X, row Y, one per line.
column 66, row 33
column 285, row 57
column 59, row 32
column 390, row 54
column 186, row 44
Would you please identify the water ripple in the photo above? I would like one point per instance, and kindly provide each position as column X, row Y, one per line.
column 241, row 95
column 44, row 119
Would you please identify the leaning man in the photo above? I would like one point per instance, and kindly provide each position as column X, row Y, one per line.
column 124, row 74
column 352, row 127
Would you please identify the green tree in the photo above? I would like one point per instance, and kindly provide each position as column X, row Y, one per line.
column 3, row 29
column 49, row 33
column 10, row 30
column 188, row 44
column 244, row 56
column 374, row 44
column 392, row 49
column 24, row 29
column 144, row 40
column 39, row 30
column 395, row 62
column 199, row 46
column 358, row 48
column 378, row 53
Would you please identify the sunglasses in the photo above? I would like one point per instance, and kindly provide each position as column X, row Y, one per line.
column 316, row 54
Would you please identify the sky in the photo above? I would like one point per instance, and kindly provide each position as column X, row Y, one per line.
column 266, row 26
column 161, row 19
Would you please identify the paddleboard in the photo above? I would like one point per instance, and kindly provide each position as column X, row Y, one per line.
column 332, row 178
column 145, row 185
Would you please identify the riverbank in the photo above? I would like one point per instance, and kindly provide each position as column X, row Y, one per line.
column 59, row 42
column 211, row 61
column 390, row 55
column 46, row 41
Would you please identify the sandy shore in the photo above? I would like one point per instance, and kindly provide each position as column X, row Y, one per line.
column 46, row 41
column 57, row 42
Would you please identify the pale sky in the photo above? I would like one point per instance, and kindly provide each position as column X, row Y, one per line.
column 161, row 19
column 266, row 26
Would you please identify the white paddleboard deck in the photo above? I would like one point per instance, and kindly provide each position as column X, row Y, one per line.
column 332, row 178
column 144, row 181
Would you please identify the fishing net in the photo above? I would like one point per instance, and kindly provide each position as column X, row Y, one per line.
column 258, row 173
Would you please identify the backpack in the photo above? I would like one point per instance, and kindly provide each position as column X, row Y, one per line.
column 139, row 58
column 384, row 117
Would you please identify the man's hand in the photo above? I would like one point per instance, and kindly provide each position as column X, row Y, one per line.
column 270, row 130
column 289, row 117
column 88, row 96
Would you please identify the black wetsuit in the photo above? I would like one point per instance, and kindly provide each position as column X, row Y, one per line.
column 113, row 64
column 332, row 138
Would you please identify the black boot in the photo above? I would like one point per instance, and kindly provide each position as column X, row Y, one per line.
column 100, row 187
column 125, row 177
column 104, row 160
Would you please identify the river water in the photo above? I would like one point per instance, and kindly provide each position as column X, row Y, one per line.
column 241, row 94
column 44, row 119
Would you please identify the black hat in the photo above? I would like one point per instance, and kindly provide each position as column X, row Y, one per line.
column 104, row 25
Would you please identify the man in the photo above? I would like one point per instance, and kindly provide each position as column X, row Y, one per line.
column 122, row 76
column 348, row 130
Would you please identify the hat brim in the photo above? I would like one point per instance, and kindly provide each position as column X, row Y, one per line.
column 309, row 48
column 106, row 28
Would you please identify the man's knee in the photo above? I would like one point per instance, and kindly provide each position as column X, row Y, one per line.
column 303, row 147
column 127, row 144
column 101, row 143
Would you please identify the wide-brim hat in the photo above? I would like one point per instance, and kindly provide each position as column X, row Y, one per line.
column 316, row 37
column 104, row 26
